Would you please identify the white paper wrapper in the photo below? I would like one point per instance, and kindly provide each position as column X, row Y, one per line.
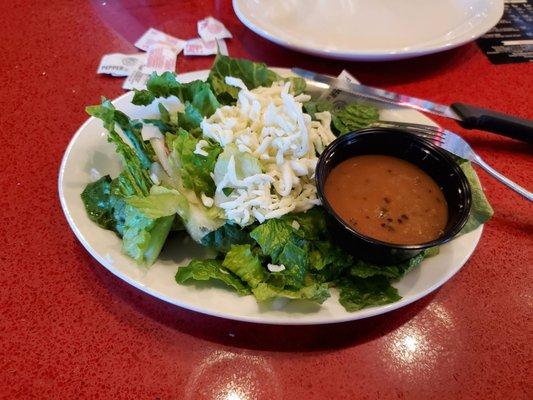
column 153, row 36
column 136, row 80
column 160, row 58
column 199, row 47
column 338, row 97
column 211, row 29
column 118, row 64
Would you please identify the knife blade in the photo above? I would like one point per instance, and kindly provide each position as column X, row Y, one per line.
column 470, row 117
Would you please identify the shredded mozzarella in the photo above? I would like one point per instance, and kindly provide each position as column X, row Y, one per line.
column 276, row 268
column 199, row 149
column 207, row 201
column 269, row 124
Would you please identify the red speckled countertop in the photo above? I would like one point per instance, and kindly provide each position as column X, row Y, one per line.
column 69, row 329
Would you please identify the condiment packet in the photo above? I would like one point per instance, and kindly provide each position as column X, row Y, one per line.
column 136, row 80
column 153, row 36
column 160, row 58
column 337, row 96
column 211, row 29
column 118, row 64
column 199, row 47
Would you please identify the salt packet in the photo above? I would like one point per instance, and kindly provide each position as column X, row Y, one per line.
column 136, row 80
column 211, row 29
column 118, row 64
column 160, row 58
column 200, row 47
column 153, row 36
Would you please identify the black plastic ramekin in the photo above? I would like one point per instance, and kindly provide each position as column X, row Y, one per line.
column 396, row 142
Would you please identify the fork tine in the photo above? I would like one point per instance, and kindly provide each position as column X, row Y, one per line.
column 434, row 137
column 433, row 134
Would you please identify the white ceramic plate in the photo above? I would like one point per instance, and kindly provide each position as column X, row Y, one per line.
column 369, row 30
column 89, row 150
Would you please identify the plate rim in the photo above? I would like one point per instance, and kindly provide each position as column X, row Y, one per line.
column 361, row 314
column 362, row 55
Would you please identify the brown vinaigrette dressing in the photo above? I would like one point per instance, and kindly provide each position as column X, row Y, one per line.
column 388, row 199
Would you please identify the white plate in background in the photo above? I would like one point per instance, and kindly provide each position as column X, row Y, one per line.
column 369, row 30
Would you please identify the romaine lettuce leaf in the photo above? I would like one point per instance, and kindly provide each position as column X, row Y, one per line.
column 273, row 235
column 203, row 270
column 194, row 169
column 362, row 269
column 132, row 129
column 481, row 210
column 196, row 96
column 245, row 264
column 294, row 258
column 161, row 202
column 136, row 161
column 358, row 293
column 97, row 200
column 143, row 236
column 104, row 199
column 344, row 119
column 168, row 121
column 314, row 292
column 353, row 116
column 227, row 235
column 311, row 225
column 251, row 73
column 311, row 107
column 198, row 220
column 324, row 253
column 245, row 164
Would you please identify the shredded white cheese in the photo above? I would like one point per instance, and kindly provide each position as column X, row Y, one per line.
column 207, row 201
column 276, row 268
column 199, row 149
column 269, row 125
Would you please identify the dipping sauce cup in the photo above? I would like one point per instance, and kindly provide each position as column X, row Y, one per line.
column 399, row 143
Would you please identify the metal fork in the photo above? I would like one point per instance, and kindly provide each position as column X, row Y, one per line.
column 454, row 144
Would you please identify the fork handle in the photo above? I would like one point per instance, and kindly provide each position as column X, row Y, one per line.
column 491, row 121
column 506, row 181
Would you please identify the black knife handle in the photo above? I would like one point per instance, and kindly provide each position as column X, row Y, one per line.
column 486, row 120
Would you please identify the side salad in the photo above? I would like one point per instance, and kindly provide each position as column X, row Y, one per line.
column 231, row 161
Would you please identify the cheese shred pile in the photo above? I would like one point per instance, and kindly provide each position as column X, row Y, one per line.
column 269, row 129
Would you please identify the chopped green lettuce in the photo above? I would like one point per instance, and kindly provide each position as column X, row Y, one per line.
column 481, row 210
column 198, row 220
column 227, row 235
column 204, row 270
column 194, row 169
column 314, row 292
column 245, row 164
column 309, row 225
column 353, row 116
column 161, row 202
column 251, row 73
column 295, row 260
column 347, row 118
column 324, row 253
column 104, row 200
column 362, row 269
column 143, row 236
column 245, row 264
column 314, row 106
column 196, row 96
column 98, row 202
column 132, row 129
column 358, row 293
column 273, row 235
